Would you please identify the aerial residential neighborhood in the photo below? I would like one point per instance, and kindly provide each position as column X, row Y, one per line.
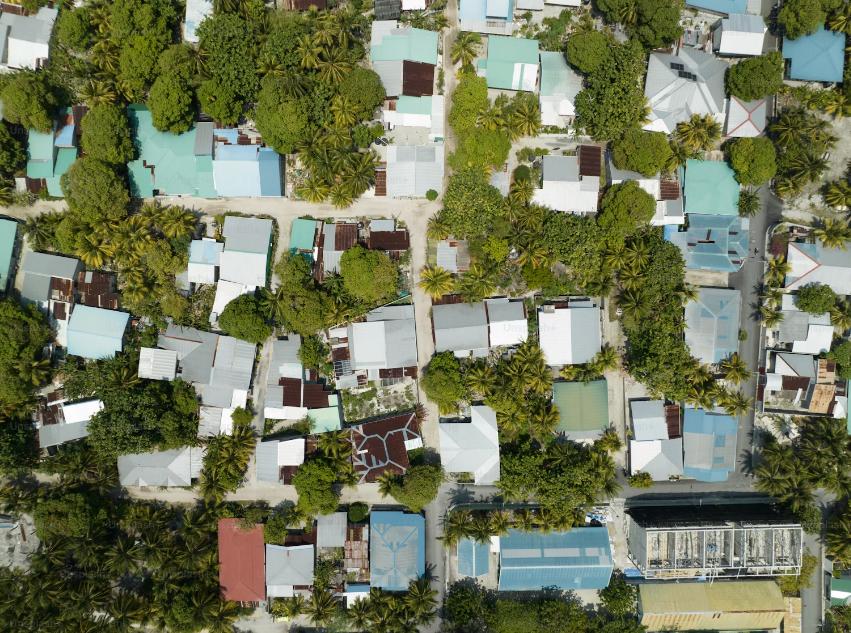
column 451, row 316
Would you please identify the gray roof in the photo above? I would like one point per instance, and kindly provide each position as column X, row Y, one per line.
column 204, row 138
column 648, row 419
column 195, row 351
column 414, row 169
column 247, row 235
column 712, row 324
column 330, row 256
column 743, row 23
column 460, row 327
column 388, row 9
column 802, row 364
column 561, row 168
column 266, row 461
column 666, row 463
column 390, row 73
column 794, row 326
column 287, row 566
column 50, row 265
column 383, row 344
column 157, row 364
column 210, row 421
column 388, row 313
column 35, row 288
column 381, row 225
column 331, row 529
column 56, row 434
column 472, row 447
column 163, row 468
column 30, row 28
column 501, row 310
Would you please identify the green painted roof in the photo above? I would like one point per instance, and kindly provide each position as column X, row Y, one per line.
column 413, row 105
column 512, row 63
column 302, row 234
column 556, row 76
column 40, row 150
column 710, row 188
column 415, row 45
column 8, row 230
column 841, row 585
column 327, row 418
column 583, row 407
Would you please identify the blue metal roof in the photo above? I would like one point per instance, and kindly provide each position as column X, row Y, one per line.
column 819, row 56
column 270, row 172
column 709, row 444
column 95, row 332
column 396, row 549
column 720, row 6
column 205, row 252
column 712, row 242
column 580, row 558
column 478, row 11
column 473, row 558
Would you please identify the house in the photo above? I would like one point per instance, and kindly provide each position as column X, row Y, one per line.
column 806, row 333
column 559, row 86
column 720, row 606
column 96, row 333
column 204, row 257
column 473, row 558
column 386, row 340
column 25, row 39
column 569, row 333
column 413, row 170
column 303, row 237
column 73, row 425
column 745, row 118
column 278, row 460
column 404, row 58
column 511, row 63
column 8, row 248
column 487, row 16
column 157, row 364
column 710, row 188
column 196, row 12
column 571, row 183
column 840, row 590
column 472, row 447
column 331, row 530
column 717, row 541
column 818, row 264
column 583, row 409
column 51, row 154
column 461, row 328
column 245, row 256
column 97, row 290
column 334, row 240
column 714, row 242
column 385, row 9
column 219, row 367
column 819, row 56
column 453, row 255
column 48, row 281
column 802, row 384
column 577, row 559
column 648, row 420
column 288, row 570
column 396, row 549
column 739, row 35
column 381, row 446
column 678, row 86
column 173, row 468
column 385, row 236
column 241, row 562
column 666, row 193
column 507, row 325
column 709, row 445
column 425, row 112
column 723, row 7
column 246, row 171
column 657, row 447
column 712, row 324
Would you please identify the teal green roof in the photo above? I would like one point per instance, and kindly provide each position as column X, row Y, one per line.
column 302, row 234
column 583, row 408
column 415, row 45
column 8, row 229
column 40, row 150
column 327, row 418
column 710, row 188
column 206, row 184
column 177, row 171
column 413, row 105
column 512, row 63
column 839, row 587
column 557, row 78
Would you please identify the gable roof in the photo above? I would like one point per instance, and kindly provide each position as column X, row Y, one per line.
column 414, row 169
column 815, row 263
column 473, row 557
column 740, row 34
column 157, row 364
column 583, row 408
column 566, row 187
column 396, row 549
column 710, row 188
column 712, row 324
column 507, row 323
column 392, row 43
column 745, row 118
column 241, row 562
column 95, row 332
column 271, row 455
column 569, row 335
column 713, row 242
column 382, row 445
column 48, row 265
column 25, row 39
column 460, row 327
column 661, row 459
column 288, row 567
column 648, row 419
column 709, row 445
column 678, row 86
column 384, row 343
column 819, row 56
column 331, row 529
column 512, row 63
column 577, row 559
column 248, row 171
column 175, row 467
column 472, row 447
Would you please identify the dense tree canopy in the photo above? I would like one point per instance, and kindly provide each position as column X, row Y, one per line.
column 30, row 100
column 283, row 120
column 94, row 190
column 756, row 77
column 417, row 487
column 301, row 307
column 243, row 318
column 623, row 209
column 645, row 152
column 801, row 17
column 18, row 444
column 655, row 23
column 315, row 481
column 13, row 156
column 841, row 353
column 226, row 39
column 106, row 135
column 815, row 298
column 24, row 332
column 469, row 99
column 588, row 50
column 443, row 381
column 370, row 276
column 471, row 205
column 753, row 159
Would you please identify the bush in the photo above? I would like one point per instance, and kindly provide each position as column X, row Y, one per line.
column 418, row 487
column 587, row 50
column 641, row 480
column 749, row 204
column 644, row 152
column 443, row 381
column 358, row 512
column 756, row 77
column 29, row 100
column 800, row 17
column 431, row 195
column 753, row 159
column 522, row 172
column 275, row 530
column 95, row 191
column 623, row 209
column 369, row 276
column 106, row 135
column 315, row 482
column 243, row 318
column 13, row 155
column 816, row 298
column 842, row 355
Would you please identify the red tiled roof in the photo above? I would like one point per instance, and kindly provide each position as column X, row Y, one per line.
column 242, row 559
column 417, row 79
column 389, row 240
column 590, row 160
column 379, row 446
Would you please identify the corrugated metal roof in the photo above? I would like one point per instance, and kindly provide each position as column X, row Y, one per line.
column 396, row 549
column 460, row 326
column 403, row 44
column 8, row 235
column 583, row 408
column 247, row 235
column 266, row 460
column 241, row 562
column 48, row 265
column 162, row 468
column 473, row 558
column 712, row 324
column 331, row 529
column 56, row 434
column 720, row 6
column 303, row 234
column 96, row 333
column 713, row 242
column 157, row 364
column 710, row 188
column 818, row 56
column 709, row 445
column 292, row 566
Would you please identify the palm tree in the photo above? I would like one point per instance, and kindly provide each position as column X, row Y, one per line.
column 95, row 92
column 526, row 117
column 176, row 222
column 421, row 599
column 476, row 284
column 465, row 48
column 749, row 204
column 771, row 317
column 457, row 524
column 524, row 520
column 481, row 379
column 806, row 168
column 333, row 66
column 631, row 302
column 93, row 252
column 838, row 106
column 436, row 281
column 606, row 359
column 638, row 254
column 678, row 157
column 833, row 233
column 322, row 607
column 840, row 20
column 838, row 538
column 359, row 615
column 838, row 194
column 521, row 191
column 698, row 133
column 543, row 421
column 335, row 445
column 735, row 369
column 777, row 270
column 735, row 403
column 627, row 13
column 387, row 483
column 343, row 111
column 313, row 190
column 490, row 119
column 437, row 228
column 840, row 315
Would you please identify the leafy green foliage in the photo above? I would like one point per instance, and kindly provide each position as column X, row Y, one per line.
column 802, row 138
column 443, row 382
column 73, row 28
column 18, row 445
column 315, row 481
column 370, row 276
column 243, row 318
column 613, row 98
column 298, row 304
column 644, row 152
column 226, row 39
column 363, row 90
column 797, row 18
column 283, row 120
column 654, row 23
column 841, row 353
column 623, row 209
column 227, row 456
column 358, row 512
column 641, row 480
column 106, row 135
column 76, row 515
column 588, row 50
column 619, row 597
column 30, row 100
column 13, row 156
column 815, row 298
column 94, row 190
column 471, row 205
column 417, row 487
column 480, row 149
column 756, row 77
column 753, row 159
column 24, row 332
column 469, row 98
